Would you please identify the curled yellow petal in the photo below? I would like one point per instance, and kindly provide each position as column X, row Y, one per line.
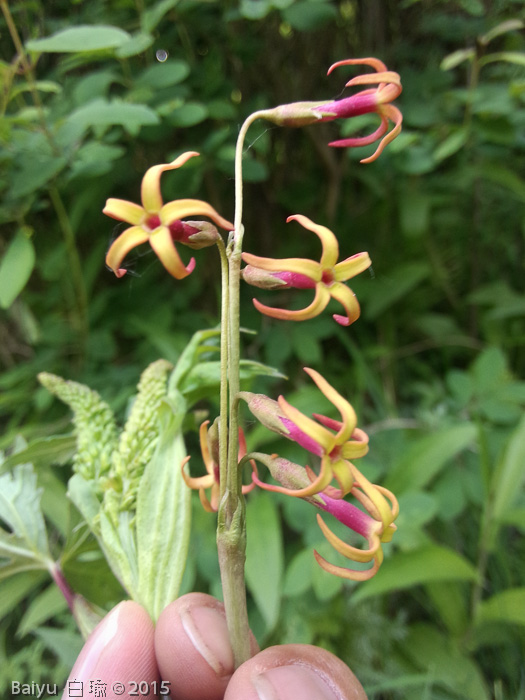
column 121, row 246
column 350, row 574
column 345, row 408
column 150, row 189
column 319, row 304
column 123, row 210
column 302, row 266
column 163, row 245
column 181, row 208
column 352, row 266
column 328, row 239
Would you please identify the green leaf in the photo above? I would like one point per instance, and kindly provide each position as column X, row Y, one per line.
column 58, row 449
column 308, row 16
column 137, row 44
column 65, row 644
column 84, row 37
column 151, row 16
column 264, row 556
column 445, row 662
column 205, row 377
column 426, row 457
column 40, row 85
column 15, row 588
column 25, row 546
column 514, row 57
column 502, row 28
column 103, row 113
column 507, row 607
column 414, row 213
column 163, row 518
column 510, row 473
column 16, row 267
column 162, row 75
column 188, row 114
column 299, row 574
column 407, row 569
column 45, row 606
column 416, row 508
column 388, row 290
column 456, row 58
column 452, row 144
column 255, row 9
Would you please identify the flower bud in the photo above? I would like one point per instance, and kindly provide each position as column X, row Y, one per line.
column 262, row 278
column 267, row 411
column 293, row 114
column 194, row 234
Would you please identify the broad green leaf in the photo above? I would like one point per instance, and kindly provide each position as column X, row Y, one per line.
column 94, row 159
column 15, row 588
column 84, row 37
column 150, row 17
column 163, row 518
column 45, row 606
column 25, row 546
column 510, row 473
column 507, row 607
column 452, row 144
column 188, row 114
column 64, row 643
column 299, row 574
column 427, row 456
column 264, row 556
column 162, row 75
column 389, row 290
column 58, row 449
column 473, row 7
column 308, row 16
column 451, row 601
column 40, row 85
column 205, row 376
column 16, row 267
column 103, row 113
column 137, row 44
column 416, row 508
column 445, row 662
column 407, row 569
column 55, row 505
column 255, row 9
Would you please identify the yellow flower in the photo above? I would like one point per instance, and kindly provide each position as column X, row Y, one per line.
column 159, row 223
column 326, row 277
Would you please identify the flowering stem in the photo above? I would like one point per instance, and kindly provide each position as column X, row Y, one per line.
column 223, row 423
column 231, row 526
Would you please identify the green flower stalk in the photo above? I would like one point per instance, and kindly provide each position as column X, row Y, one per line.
column 95, row 426
column 138, row 439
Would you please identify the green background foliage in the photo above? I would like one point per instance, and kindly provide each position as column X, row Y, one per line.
column 432, row 366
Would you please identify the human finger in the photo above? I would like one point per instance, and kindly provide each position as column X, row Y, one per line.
column 117, row 656
column 193, row 648
column 293, row 671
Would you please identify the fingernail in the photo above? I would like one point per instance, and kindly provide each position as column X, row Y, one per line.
column 292, row 682
column 208, row 632
column 95, row 645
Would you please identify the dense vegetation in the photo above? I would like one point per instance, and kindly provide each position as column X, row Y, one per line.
column 432, row 366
